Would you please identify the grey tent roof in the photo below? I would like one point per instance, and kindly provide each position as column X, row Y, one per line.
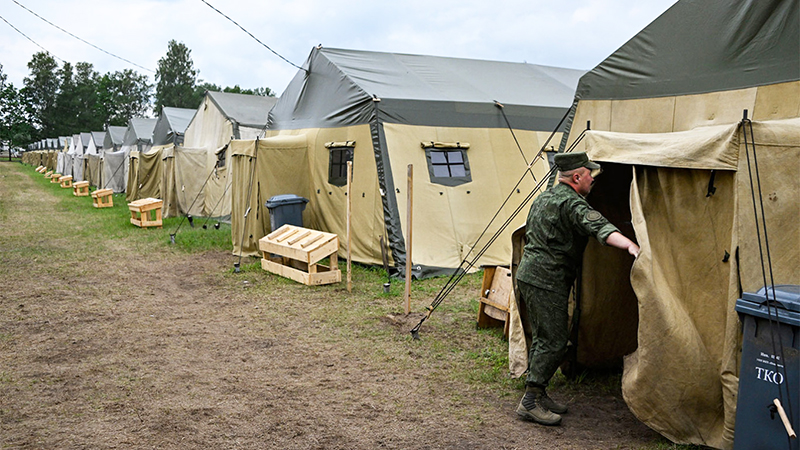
column 63, row 141
column 171, row 125
column 85, row 139
column 114, row 137
column 698, row 46
column 342, row 86
column 246, row 110
column 140, row 130
column 98, row 137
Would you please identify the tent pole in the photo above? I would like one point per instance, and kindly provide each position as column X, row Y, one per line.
column 349, row 213
column 409, row 216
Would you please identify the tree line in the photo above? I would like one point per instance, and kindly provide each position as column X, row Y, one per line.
column 64, row 100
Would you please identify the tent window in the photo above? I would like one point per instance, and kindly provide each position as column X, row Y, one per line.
column 339, row 157
column 448, row 166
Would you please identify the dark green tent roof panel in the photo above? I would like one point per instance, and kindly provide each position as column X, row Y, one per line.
column 351, row 87
column 700, row 46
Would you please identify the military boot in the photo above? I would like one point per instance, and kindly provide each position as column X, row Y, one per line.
column 531, row 408
column 552, row 405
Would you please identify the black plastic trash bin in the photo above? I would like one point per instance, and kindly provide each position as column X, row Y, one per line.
column 286, row 209
column 765, row 375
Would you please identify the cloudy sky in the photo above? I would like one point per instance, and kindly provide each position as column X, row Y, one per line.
column 567, row 33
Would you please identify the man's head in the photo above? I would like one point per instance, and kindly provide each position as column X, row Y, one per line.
column 577, row 170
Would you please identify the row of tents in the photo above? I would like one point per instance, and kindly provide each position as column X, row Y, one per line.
column 664, row 115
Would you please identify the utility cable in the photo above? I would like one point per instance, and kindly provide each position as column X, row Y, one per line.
column 773, row 324
column 28, row 38
column 80, row 39
column 251, row 35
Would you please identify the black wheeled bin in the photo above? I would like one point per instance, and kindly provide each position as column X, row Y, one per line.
column 286, row 209
column 770, row 368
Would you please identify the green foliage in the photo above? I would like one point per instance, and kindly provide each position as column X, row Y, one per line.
column 15, row 127
column 123, row 95
column 40, row 91
column 176, row 78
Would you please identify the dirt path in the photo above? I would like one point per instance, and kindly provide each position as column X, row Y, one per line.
column 116, row 343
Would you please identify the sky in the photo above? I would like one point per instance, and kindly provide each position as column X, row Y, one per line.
column 576, row 34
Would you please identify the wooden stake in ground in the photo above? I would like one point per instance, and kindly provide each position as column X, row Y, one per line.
column 349, row 213
column 409, row 216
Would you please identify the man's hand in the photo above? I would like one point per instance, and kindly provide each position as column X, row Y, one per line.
column 618, row 240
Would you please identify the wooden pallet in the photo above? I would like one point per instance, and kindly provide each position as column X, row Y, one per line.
column 146, row 212
column 55, row 177
column 295, row 252
column 80, row 189
column 496, row 291
column 66, row 181
column 101, row 198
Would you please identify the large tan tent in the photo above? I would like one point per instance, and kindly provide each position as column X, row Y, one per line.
column 665, row 109
column 220, row 118
column 384, row 111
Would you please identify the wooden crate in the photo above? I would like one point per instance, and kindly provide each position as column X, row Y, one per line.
column 80, row 189
column 496, row 291
column 48, row 174
column 66, row 181
column 295, row 252
column 55, row 178
column 146, row 212
column 101, row 198
column 41, row 169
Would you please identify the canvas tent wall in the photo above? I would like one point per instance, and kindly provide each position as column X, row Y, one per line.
column 385, row 111
column 222, row 117
column 93, row 159
column 698, row 66
column 136, row 143
column 171, row 125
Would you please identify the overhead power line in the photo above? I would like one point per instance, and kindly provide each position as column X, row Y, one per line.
column 251, row 35
column 28, row 38
column 80, row 39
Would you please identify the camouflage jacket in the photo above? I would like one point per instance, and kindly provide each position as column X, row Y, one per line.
column 558, row 227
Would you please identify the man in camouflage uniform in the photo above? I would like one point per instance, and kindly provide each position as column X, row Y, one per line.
column 557, row 230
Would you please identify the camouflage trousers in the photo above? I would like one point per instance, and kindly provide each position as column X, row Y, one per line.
column 548, row 313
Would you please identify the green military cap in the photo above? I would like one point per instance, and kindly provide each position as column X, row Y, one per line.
column 571, row 161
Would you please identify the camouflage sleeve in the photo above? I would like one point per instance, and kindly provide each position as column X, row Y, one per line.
column 591, row 222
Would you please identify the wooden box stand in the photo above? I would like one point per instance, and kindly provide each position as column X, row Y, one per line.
column 54, row 178
column 496, row 291
column 48, row 174
column 41, row 169
column 101, row 198
column 80, row 189
column 66, row 181
column 146, row 212
column 298, row 252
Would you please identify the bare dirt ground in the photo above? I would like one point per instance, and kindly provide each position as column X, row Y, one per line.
column 116, row 342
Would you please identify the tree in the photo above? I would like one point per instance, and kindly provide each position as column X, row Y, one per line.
column 15, row 127
column 40, row 92
column 123, row 95
column 88, row 102
column 66, row 108
column 262, row 91
column 176, row 78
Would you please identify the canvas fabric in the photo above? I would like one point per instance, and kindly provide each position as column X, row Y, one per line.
column 94, row 170
column 115, row 170
column 261, row 169
column 145, row 174
column 182, row 181
column 681, row 377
